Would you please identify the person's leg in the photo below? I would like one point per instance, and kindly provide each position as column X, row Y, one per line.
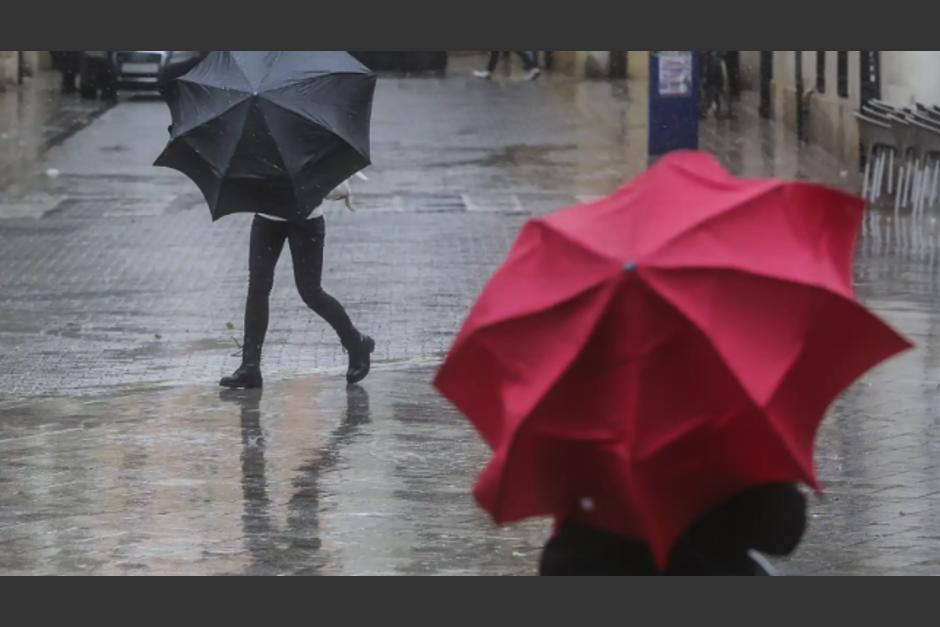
column 724, row 94
column 306, row 246
column 490, row 66
column 733, row 61
column 494, row 59
column 267, row 242
column 528, row 64
column 67, row 62
column 527, row 61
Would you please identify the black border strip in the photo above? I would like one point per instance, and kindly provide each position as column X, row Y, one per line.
column 471, row 25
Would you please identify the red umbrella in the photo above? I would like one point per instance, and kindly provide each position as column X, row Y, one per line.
column 641, row 358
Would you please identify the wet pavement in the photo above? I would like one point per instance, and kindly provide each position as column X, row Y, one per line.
column 117, row 293
column 33, row 119
column 306, row 477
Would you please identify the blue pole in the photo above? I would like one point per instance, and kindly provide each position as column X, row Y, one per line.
column 675, row 81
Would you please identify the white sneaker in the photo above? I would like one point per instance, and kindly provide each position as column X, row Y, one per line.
column 482, row 73
column 532, row 74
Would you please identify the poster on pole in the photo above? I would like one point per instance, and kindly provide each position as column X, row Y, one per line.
column 675, row 73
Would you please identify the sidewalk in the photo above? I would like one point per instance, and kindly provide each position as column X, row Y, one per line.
column 308, row 477
column 115, row 274
column 34, row 117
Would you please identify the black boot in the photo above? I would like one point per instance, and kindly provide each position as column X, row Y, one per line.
column 247, row 376
column 360, row 359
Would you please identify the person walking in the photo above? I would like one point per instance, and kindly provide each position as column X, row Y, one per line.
column 529, row 65
column 306, row 240
column 288, row 132
column 715, row 87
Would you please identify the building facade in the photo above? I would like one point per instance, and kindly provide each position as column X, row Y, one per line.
column 813, row 93
column 833, row 84
column 17, row 64
column 601, row 63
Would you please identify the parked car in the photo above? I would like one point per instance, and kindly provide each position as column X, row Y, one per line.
column 107, row 71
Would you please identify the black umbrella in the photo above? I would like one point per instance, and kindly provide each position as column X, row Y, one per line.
column 271, row 131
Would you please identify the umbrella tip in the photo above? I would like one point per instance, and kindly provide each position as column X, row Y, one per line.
column 630, row 266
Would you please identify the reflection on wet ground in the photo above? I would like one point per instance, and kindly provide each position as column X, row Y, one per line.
column 308, row 477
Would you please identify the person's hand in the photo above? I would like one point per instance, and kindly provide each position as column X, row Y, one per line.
column 343, row 192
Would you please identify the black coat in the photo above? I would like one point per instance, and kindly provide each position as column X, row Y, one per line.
column 770, row 519
column 713, row 74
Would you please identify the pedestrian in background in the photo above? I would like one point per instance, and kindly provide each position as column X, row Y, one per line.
column 716, row 84
column 529, row 64
column 68, row 63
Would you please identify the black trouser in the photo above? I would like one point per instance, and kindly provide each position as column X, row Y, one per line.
column 306, row 248
column 527, row 61
column 733, row 63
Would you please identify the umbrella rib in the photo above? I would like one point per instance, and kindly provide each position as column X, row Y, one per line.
column 573, row 239
column 724, row 359
column 760, row 193
column 241, row 138
column 313, row 77
column 783, row 377
column 241, row 69
column 216, row 116
column 194, row 81
column 577, row 294
column 688, row 318
column 750, row 272
column 462, row 340
column 277, row 147
column 295, row 113
column 510, row 444
column 204, row 160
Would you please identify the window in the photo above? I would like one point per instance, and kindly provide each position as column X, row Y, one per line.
column 821, row 71
column 843, row 73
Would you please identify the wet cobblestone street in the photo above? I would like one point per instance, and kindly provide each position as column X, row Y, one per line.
column 120, row 455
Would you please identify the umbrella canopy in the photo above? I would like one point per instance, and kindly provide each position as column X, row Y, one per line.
column 639, row 359
column 270, row 131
